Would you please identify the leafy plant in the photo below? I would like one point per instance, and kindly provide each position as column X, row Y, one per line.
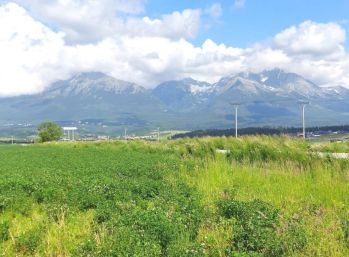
column 4, row 231
column 255, row 232
column 256, row 224
column 49, row 131
column 29, row 241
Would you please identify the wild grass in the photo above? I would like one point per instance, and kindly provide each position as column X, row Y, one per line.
column 312, row 190
column 268, row 196
column 338, row 147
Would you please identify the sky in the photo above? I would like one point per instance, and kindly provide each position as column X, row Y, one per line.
column 151, row 41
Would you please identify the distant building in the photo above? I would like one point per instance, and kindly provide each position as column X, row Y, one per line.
column 69, row 133
column 103, row 138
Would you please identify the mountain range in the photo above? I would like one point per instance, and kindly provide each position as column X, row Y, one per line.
column 269, row 98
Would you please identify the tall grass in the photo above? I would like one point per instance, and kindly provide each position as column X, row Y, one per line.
column 279, row 171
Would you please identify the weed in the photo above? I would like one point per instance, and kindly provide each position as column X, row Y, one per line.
column 4, row 231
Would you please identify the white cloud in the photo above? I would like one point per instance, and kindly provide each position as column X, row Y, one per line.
column 33, row 55
column 83, row 21
column 239, row 3
column 29, row 52
column 316, row 51
column 89, row 21
column 175, row 26
column 312, row 38
column 215, row 11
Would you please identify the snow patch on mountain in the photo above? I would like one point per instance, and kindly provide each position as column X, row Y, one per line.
column 199, row 89
column 264, row 79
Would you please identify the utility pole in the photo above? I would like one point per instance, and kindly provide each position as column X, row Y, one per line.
column 158, row 134
column 303, row 103
column 12, row 139
column 236, row 106
column 125, row 133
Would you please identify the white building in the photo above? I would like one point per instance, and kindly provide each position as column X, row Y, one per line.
column 69, row 133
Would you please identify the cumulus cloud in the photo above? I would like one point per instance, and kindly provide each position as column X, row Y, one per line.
column 175, row 26
column 29, row 52
column 316, row 51
column 33, row 55
column 83, row 21
column 312, row 38
column 149, row 51
column 90, row 21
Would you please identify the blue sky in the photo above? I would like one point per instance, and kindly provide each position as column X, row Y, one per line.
column 151, row 41
column 257, row 20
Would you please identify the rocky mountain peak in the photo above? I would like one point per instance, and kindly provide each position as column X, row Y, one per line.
column 93, row 83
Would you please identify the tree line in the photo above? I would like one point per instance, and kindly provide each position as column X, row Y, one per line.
column 260, row 131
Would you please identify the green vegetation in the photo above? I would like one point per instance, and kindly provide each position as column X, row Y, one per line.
column 49, row 131
column 268, row 196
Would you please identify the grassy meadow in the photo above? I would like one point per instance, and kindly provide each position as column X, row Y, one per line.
column 267, row 196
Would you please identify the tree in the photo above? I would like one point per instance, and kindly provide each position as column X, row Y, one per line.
column 49, row 131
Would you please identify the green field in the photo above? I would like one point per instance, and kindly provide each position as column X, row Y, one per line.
column 268, row 196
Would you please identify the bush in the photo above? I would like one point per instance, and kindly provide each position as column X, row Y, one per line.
column 49, row 131
column 256, row 226
column 256, row 229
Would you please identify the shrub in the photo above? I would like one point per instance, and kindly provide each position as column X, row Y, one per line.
column 154, row 224
column 49, row 131
column 256, row 226
column 256, row 229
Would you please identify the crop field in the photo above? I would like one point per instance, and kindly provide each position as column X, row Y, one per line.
column 267, row 196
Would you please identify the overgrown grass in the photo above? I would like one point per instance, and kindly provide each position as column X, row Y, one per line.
column 268, row 196
column 310, row 193
column 338, row 147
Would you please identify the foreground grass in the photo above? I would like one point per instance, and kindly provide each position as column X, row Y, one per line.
column 317, row 198
column 279, row 171
column 266, row 197
column 93, row 200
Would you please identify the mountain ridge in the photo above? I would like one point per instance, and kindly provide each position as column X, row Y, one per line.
column 180, row 104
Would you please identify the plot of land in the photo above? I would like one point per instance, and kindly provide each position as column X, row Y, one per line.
column 264, row 197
